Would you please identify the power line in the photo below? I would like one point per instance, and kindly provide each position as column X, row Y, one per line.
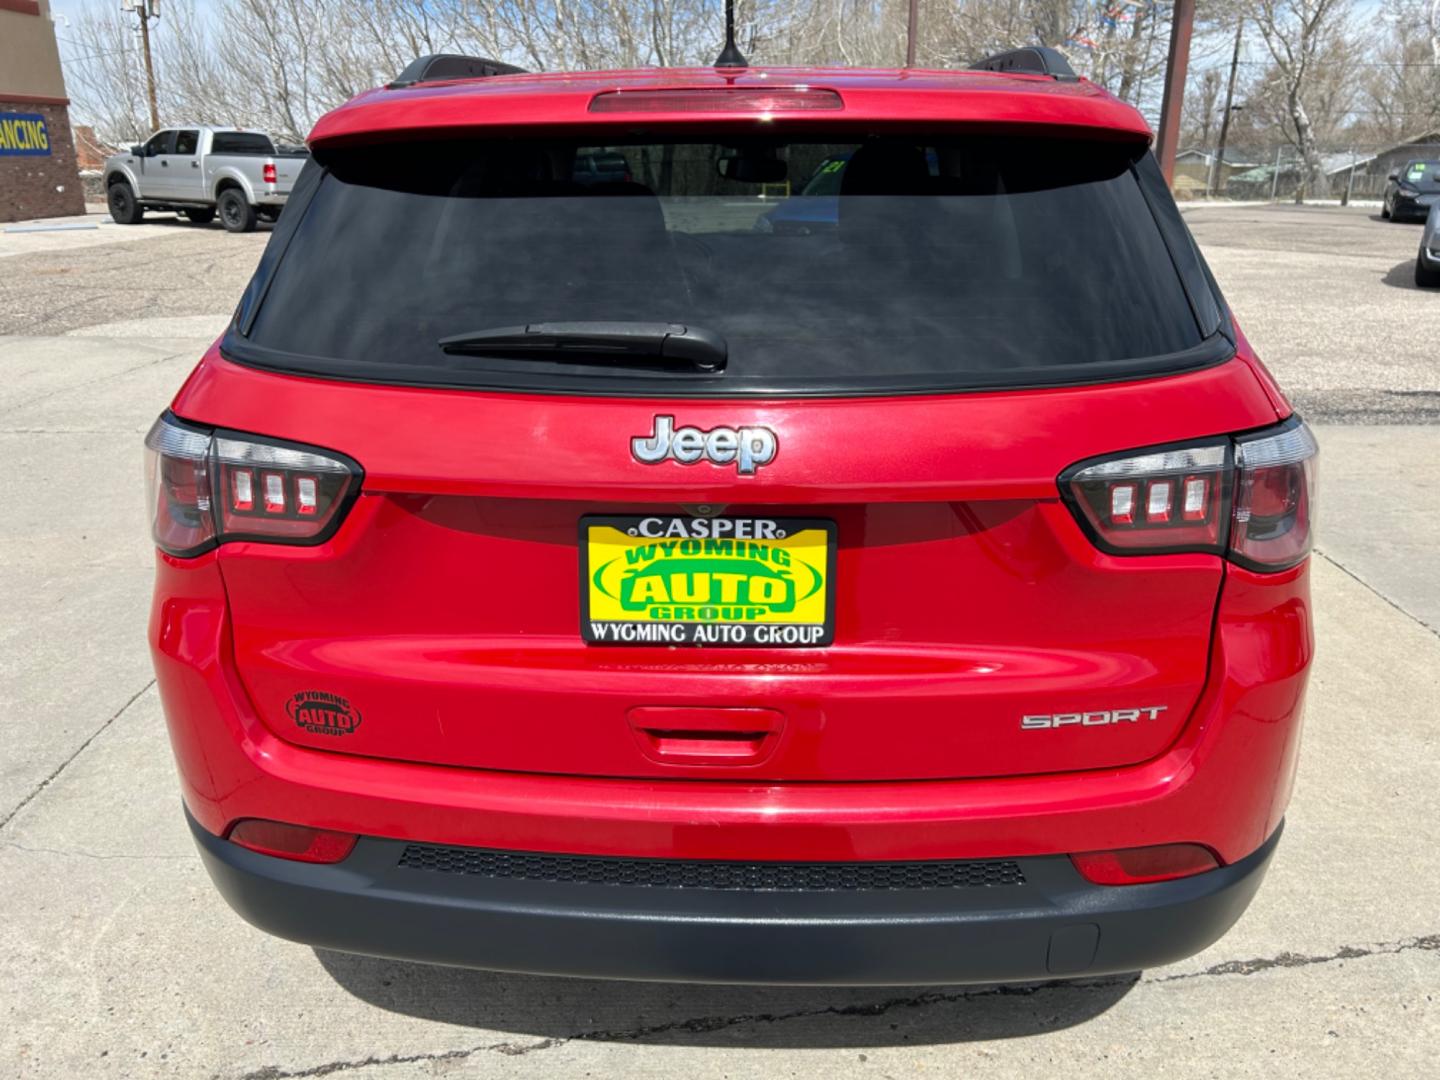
column 95, row 56
column 1432, row 65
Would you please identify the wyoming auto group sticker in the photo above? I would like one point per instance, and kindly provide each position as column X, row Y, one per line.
column 707, row 581
column 321, row 713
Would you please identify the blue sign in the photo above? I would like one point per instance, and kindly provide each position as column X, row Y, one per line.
column 23, row 134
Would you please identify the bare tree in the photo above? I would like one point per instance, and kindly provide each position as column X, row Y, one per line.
column 1297, row 34
column 280, row 64
column 104, row 75
column 1202, row 102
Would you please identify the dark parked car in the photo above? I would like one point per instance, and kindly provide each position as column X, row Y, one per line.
column 1410, row 192
column 1427, row 262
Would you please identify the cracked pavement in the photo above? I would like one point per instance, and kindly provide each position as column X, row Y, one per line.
column 123, row 962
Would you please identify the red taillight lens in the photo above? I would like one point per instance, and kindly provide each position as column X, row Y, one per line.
column 1136, row 866
column 1274, row 516
column 177, row 475
column 209, row 487
column 278, row 492
column 268, row 173
column 1250, row 498
column 758, row 100
column 1159, row 500
column 297, row 842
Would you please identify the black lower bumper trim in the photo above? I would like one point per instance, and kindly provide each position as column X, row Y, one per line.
column 1055, row 924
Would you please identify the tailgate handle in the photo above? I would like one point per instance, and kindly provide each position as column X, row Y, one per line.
column 700, row 735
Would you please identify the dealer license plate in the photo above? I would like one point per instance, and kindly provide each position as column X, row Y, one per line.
column 718, row 581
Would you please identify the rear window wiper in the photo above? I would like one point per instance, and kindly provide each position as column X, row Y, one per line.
column 597, row 342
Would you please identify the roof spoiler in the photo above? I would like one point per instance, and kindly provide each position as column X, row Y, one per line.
column 440, row 66
column 1031, row 60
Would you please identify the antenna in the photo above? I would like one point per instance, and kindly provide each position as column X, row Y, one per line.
column 730, row 56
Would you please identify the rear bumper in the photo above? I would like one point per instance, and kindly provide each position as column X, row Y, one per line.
column 1410, row 209
column 1055, row 924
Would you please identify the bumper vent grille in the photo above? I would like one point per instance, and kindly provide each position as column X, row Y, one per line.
column 677, row 874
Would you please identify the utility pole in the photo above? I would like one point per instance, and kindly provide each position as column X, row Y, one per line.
column 1219, row 162
column 1168, row 139
column 911, row 25
column 147, row 10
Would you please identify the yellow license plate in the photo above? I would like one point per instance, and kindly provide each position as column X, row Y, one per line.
column 737, row 582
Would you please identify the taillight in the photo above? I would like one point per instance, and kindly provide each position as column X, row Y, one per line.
column 268, row 173
column 206, row 487
column 297, row 842
column 1170, row 499
column 1136, row 866
column 1274, row 517
column 1248, row 497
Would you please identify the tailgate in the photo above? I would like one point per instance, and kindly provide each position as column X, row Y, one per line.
column 444, row 622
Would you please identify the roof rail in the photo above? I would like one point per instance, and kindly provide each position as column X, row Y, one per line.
column 440, row 66
column 1031, row 60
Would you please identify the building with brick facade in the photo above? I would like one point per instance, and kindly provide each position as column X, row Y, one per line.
column 38, row 175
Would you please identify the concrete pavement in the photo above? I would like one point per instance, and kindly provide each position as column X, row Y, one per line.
column 122, row 961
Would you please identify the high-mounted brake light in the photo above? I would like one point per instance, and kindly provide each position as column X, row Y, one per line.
column 759, row 100
column 1249, row 497
column 207, row 487
column 267, row 173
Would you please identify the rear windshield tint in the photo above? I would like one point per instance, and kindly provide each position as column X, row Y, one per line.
column 240, row 142
column 896, row 264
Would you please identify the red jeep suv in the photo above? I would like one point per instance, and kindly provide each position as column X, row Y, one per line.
column 572, row 573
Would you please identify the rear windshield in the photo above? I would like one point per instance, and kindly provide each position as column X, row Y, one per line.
column 1424, row 175
column 884, row 264
column 240, row 142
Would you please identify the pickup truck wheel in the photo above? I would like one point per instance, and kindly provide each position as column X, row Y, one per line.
column 124, row 208
column 202, row 216
column 236, row 213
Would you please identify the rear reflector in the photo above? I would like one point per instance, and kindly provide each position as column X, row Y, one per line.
column 1249, row 498
column 297, row 842
column 207, row 487
column 759, row 100
column 1136, row 866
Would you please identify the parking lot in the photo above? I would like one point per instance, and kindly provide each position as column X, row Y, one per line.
column 123, row 961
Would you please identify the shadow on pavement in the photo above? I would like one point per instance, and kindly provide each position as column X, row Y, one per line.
column 751, row 1016
column 175, row 221
column 1401, row 275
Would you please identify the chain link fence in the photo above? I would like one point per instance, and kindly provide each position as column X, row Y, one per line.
column 1277, row 173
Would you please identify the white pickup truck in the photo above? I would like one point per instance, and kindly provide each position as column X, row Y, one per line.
column 199, row 171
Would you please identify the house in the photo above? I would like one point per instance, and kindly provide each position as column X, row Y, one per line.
column 1193, row 168
column 1376, row 167
column 1371, row 169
